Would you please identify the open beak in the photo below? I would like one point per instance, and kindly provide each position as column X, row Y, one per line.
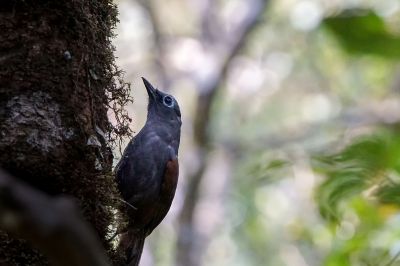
column 151, row 91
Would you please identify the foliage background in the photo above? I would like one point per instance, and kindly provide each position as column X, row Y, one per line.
column 298, row 163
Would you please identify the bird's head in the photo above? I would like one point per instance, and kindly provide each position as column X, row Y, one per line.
column 162, row 106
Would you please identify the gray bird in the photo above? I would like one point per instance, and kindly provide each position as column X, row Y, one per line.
column 147, row 173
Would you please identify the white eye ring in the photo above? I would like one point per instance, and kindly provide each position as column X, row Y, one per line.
column 168, row 101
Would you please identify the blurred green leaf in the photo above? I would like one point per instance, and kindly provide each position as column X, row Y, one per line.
column 339, row 186
column 271, row 171
column 355, row 245
column 278, row 163
column 263, row 169
column 363, row 164
column 363, row 32
column 389, row 194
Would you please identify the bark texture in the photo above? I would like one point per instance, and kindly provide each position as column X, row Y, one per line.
column 57, row 79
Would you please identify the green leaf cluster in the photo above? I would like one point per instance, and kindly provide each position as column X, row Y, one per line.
column 362, row 31
column 370, row 166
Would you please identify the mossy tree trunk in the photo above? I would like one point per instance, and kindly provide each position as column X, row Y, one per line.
column 57, row 79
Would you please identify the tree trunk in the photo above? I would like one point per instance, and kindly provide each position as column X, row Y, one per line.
column 57, row 77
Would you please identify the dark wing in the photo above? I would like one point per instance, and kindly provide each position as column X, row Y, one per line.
column 122, row 163
column 141, row 168
column 123, row 170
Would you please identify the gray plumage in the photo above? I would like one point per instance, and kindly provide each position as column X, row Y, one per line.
column 148, row 170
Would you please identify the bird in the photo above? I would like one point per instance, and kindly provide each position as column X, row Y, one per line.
column 147, row 173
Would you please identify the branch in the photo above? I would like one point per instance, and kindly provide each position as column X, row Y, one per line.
column 159, row 50
column 360, row 120
column 211, row 28
column 51, row 223
column 187, row 254
column 208, row 91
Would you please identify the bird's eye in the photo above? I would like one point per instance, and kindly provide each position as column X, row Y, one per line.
column 168, row 101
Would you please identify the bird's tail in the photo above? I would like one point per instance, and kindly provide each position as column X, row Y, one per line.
column 131, row 246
